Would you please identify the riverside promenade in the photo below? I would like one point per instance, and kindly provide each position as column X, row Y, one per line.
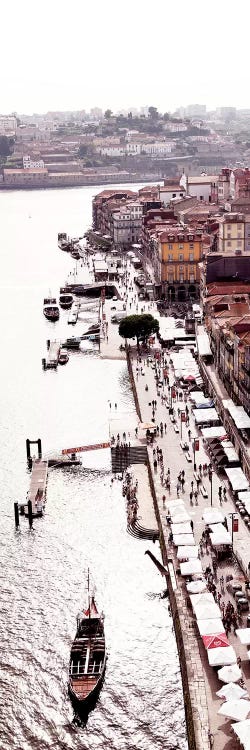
column 200, row 681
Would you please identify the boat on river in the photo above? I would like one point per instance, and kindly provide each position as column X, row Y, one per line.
column 51, row 309
column 65, row 299
column 63, row 357
column 87, row 656
column 72, row 343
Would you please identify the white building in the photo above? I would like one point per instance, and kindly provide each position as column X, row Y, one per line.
column 28, row 164
column 8, row 125
column 112, row 151
column 127, row 224
column 158, row 148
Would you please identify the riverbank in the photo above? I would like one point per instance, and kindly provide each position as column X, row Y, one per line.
column 200, row 681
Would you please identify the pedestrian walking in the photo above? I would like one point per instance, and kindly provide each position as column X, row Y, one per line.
column 196, row 497
column 191, row 498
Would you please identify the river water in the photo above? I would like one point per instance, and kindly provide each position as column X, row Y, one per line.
column 43, row 571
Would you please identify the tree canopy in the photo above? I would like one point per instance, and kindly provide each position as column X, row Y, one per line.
column 108, row 114
column 5, row 144
column 138, row 326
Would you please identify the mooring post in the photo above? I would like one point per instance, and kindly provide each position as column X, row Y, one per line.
column 28, row 449
column 39, row 446
column 30, row 513
column 16, row 512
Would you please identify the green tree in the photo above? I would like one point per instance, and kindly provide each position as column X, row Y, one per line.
column 108, row 114
column 166, row 116
column 153, row 113
column 5, row 149
column 139, row 327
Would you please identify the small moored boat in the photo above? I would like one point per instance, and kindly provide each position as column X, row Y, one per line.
column 72, row 343
column 65, row 299
column 63, row 357
column 51, row 309
column 87, row 656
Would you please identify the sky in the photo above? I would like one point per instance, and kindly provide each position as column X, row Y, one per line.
column 81, row 54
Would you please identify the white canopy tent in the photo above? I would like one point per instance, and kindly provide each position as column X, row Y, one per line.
column 186, row 552
column 218, row 657
column 196, row 587
column 221, row 538
column 231, row 691
column 244, row 635
column 244, row 496
column 213, row 432
column 180, row 517
column 183, row 539
column 235, row 709
column 197, row 599
column 242, row 729
column 207, row 611
column 190, row 567
column 203, row 416
column 237, row 479
column 197, row 397
column 238, row 414
column 211, row 626
column 212, row 515
column 175, row 505
column 181, row 528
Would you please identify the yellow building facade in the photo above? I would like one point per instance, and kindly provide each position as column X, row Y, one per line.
column 179, row 255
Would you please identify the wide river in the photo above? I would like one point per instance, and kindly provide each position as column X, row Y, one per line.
column 43, row 572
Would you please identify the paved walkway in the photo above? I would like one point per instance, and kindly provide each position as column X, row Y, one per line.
column 203, row 680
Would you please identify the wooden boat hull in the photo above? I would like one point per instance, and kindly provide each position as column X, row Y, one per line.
column 85, row 695
column 51, row 316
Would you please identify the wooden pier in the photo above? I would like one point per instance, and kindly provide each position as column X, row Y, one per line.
column 52, row 358
column 37, row 490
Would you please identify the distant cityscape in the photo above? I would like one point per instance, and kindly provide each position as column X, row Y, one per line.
column 80, row 148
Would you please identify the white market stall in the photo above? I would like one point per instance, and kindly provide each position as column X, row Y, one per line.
column 212, row 515
column 188, row 553
column 237, row 479
column 190, row 567
column 218, row 657
column 183, row 539
column 211, row 626
column 206, row 416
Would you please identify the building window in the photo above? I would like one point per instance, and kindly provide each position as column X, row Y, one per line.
column 180, row 247
column 170, row 256
column 191, row 278
column 191, row 256
column 191, row 245
column 229, row 244
column 181, row 278
column 180, row 256
column 170, row 247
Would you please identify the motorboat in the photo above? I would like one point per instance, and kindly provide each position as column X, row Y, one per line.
column 63, row 357
column 87, row 656
column 51, row 309
column 65, row 299
column 72, row 343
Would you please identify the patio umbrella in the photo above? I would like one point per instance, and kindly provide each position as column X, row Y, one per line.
column 211, row 627
column 236, row 709
column 215, row 641
column 196, row 587
column 230, row 674
column 189, row 378
column 231, row 691
column 242, row 729
column 146, row 425
column 244, row 635
column 221, row 656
